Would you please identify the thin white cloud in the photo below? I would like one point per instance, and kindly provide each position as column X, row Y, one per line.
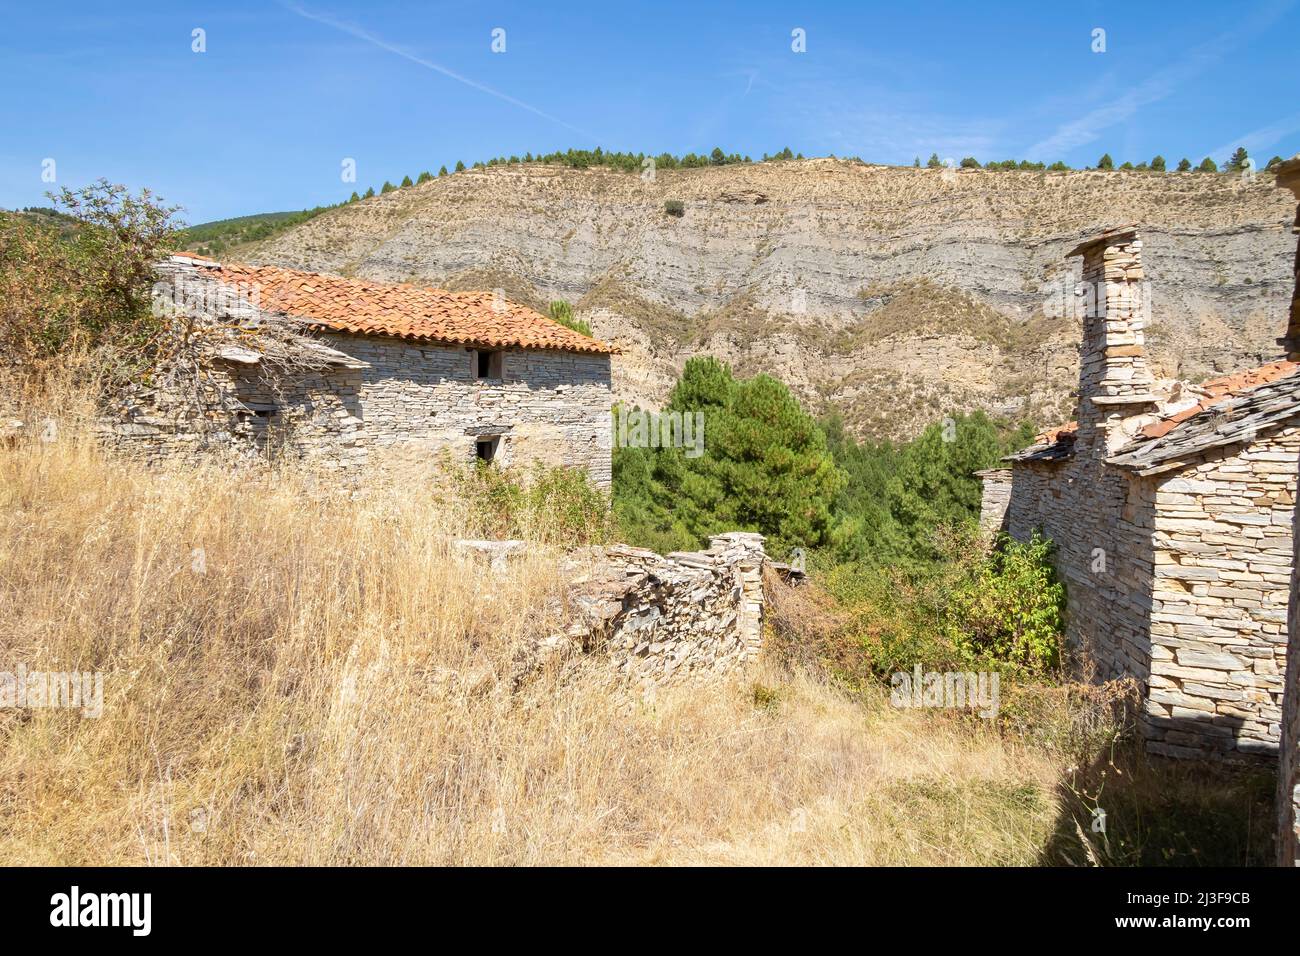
column 1259, row 140
column 362, row 34
column 1090, row 126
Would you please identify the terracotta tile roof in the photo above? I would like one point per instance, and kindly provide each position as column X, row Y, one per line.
column 367, row 307
column 1221, row 389
column 1053, row 435
column 1252, row 402
column 1057, row 443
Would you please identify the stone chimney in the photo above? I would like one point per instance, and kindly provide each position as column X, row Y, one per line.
column 1288, row 177
column 1114, row 380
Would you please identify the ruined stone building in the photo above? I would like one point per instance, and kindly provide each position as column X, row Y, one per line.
column 1171, row 506
column 353, row 372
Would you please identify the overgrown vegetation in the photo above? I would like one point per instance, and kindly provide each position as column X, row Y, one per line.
column 75, row 283
column 279, row 653
column 890, row 531
column 560, row 311
column 553, row 505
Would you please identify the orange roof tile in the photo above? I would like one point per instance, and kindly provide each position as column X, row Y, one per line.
column 1053, row 435
column 1219, row 390
column 399, row 310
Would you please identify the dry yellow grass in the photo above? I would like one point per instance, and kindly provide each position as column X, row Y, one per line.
column 325, row 682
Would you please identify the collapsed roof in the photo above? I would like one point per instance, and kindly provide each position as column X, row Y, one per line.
column 1223, row 411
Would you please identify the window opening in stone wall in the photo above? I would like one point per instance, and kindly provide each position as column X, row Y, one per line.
column 489, row 365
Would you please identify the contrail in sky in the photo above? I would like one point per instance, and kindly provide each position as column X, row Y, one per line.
column 361, row 34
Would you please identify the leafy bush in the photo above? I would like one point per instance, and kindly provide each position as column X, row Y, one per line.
column 1002, row 609
column 83, row 286
column 675, row 207
column 1009, row 608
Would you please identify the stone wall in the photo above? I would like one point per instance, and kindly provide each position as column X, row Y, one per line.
column 1222, row 543
column 1100, row 527
column 1179, row 578
column 995, row 499
column 1099, row 522
column 1288, row 780
column 687, row 615
column 385, row 402
column 415, row 402
column 1288, row 789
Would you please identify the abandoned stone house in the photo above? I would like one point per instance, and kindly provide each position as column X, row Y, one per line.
column 351, row 372
column 1171, row 506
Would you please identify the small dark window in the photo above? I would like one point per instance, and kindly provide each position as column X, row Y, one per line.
column 488, row 365
column 485, row 449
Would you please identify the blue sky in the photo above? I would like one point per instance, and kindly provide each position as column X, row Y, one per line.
column 286, row 91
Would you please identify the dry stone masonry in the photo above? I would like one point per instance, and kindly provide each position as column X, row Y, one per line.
column 352, row 400
column 663, row 618
column 1288, row 791
column 1171, row 507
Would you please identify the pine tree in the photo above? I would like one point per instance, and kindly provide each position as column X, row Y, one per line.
column 1184, row 165
column 406, row 181
column 388, row 187
column 369, row 193
column 1208, row 166
column 934, row 162
column 766, row 466
column 1274, row 162
column 424, row 177
column 460, row 167
column 354, row 197
column 1237, row 161
column 1105, row 162
column 1158, row 164
column 916, row 163
column 442, row 171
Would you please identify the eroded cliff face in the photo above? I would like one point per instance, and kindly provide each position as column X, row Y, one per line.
column 892, row 295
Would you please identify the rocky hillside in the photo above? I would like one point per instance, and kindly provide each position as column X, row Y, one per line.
column 891, row 295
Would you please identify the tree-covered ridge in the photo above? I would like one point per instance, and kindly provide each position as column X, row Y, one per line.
column 213, row 238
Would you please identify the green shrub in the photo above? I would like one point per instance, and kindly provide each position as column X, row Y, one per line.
column 562, row 312
column 1003, row 609
column 675, row 207
column 1010, row 608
